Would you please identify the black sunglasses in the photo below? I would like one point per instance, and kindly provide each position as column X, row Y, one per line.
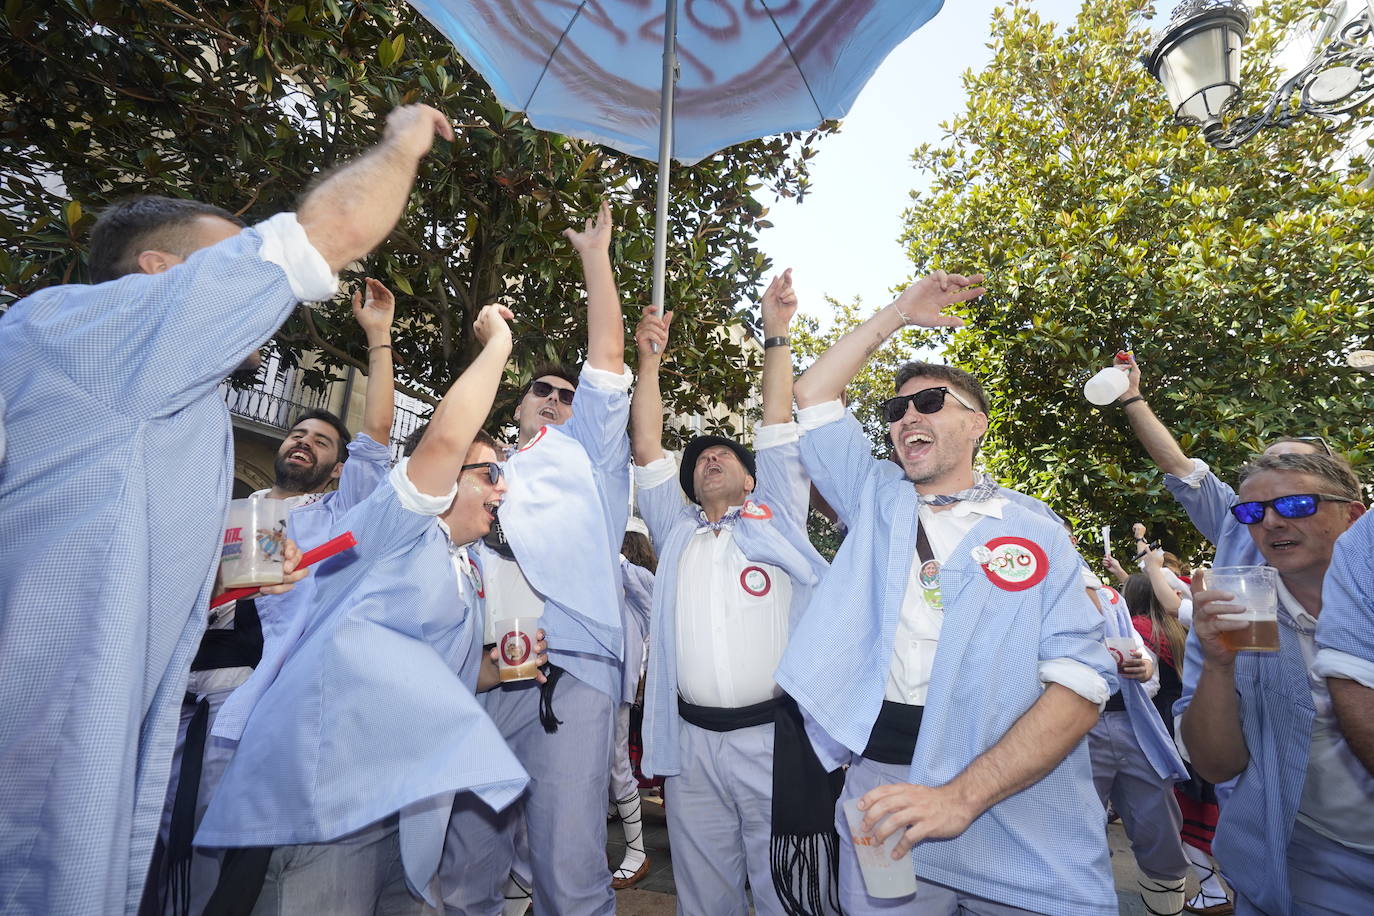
column 1319, row 441
column 928, row 400
column 493, row 470
column 544, row 389
column 1296, row 505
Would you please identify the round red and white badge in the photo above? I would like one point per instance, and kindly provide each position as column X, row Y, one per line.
column 1015, row 564
column 755, row 581
column 1112, row 594
column 515, row 648
column 757, row 511
column 477, row 579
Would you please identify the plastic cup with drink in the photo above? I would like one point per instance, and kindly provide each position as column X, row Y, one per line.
column 884, row 876
column 516, row 640
column 254, row 543
column 1256, row 589
column 1120, row 649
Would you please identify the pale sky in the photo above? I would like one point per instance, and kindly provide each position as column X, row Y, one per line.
column 842, row 240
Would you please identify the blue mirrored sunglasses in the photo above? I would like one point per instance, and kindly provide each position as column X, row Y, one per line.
column 1296, row 505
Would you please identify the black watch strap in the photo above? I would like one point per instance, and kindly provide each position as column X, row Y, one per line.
column 776, row 342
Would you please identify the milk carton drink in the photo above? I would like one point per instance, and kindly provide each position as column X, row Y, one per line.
column 1107, row 385
column 254, row 543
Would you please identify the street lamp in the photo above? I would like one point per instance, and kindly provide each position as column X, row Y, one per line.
column 1197, row 59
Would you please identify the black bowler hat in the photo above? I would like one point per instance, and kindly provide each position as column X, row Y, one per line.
column 700, row 444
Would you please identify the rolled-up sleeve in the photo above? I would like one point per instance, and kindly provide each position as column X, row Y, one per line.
column 1335, row 663
column 285, row 244
column 1078, row 677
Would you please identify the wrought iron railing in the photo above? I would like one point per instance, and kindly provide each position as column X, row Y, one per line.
column 271, row 409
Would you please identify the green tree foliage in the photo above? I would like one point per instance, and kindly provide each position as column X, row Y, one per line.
column 1240, row 279
column 870, row 387
column 241, row 103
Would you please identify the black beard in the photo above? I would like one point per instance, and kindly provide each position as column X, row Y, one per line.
column 298, row 478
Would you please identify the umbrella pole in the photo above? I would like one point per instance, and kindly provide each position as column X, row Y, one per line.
column 665, row 152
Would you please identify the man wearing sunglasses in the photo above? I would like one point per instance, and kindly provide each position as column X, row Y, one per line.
column 1204, row 496
column 1295, row 837
column 951, row 656
column 735, row 573
column 350, row 764
column 556, row 556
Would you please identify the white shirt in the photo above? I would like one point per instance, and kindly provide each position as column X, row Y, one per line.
column 509, row 594
column 918, row 629
column 1335, row 799
column 732, row 623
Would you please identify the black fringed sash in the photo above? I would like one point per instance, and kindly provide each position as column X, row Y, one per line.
column 803, row 845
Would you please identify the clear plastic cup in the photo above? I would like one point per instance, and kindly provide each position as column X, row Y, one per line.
column 1257, row 590
column 1108, row 385
column 1120, row 648
column 254, row 543
column 884, row 877
column 516, row 659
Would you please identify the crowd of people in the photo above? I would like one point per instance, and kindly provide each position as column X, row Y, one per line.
column 344, row 742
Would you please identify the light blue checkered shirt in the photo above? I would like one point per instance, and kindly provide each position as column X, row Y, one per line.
column 112, row 500
column 1043, row 849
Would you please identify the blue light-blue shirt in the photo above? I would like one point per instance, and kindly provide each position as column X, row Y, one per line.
column 283, row 617
column 1044, row 848
column 112, row 499
column 779, row 539
column 373, row 713
column 1345, row 630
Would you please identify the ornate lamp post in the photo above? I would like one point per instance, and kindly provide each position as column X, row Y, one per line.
column 1198, row 55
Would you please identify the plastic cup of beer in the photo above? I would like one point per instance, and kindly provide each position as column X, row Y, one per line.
column 1256, row 589
column 884, row 876
column 516, row 658
column 254, row 543
column 1120, row 649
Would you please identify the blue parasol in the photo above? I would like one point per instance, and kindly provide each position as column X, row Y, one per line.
column 689, row 77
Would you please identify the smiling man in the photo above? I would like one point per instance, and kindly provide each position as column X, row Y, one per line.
column 735, row 574
column 951, row 656
column 1296, row 836
column 310, row 460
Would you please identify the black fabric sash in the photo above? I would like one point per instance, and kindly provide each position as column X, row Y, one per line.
column 238, row 647
column 1115, row 703
column 803, row 845
column 893, row 739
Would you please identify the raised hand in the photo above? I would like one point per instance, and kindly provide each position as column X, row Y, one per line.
column 374, row 313
column 651, row 335
column 491, row 326
column 923, row 302
column 410, row 129
column 779, row 304
column 1127, row 359
column 596, row 235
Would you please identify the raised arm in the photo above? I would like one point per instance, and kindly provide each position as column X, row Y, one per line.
column 374, row 314
column 1164, row 590
column 1163, row 448
column 779, row 305
column 605, row 322
column 435, row 464
column 356, row 206
column 646, row 407
column 920, row 304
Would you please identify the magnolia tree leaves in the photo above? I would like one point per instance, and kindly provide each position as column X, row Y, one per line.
column 1240, row 279
column 243, row 104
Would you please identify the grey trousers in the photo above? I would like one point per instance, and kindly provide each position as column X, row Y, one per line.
column 357, row 875
column 930, row 899
column 720, row 816
column 564, row 809
column 1144, row 800
column 1326, row 878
